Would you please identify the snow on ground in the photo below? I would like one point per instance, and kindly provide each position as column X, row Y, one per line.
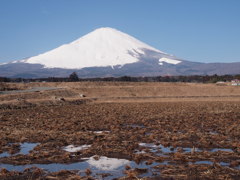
column 100, row 132
column 72, row 148
column 150, row 145
column 169, row 61
column 107, row 164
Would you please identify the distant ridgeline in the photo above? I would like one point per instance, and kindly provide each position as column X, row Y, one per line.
column 74, row 78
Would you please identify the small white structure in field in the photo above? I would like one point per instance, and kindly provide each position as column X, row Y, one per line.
column 235, row 82
column 221, row 83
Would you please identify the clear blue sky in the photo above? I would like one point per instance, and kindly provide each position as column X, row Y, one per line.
column 196, row 30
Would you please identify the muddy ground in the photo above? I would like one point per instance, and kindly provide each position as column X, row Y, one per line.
column 118, row 130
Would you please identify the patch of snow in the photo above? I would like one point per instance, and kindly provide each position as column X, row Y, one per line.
column 100, row 48
column 14, row 62
column 168, row 60
column 119, row 67
column 150, row 145
column 108, row 164
column 72, row 148
column 100, row 132
column 22, row 61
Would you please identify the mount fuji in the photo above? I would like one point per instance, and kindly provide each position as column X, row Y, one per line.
column 109, row 52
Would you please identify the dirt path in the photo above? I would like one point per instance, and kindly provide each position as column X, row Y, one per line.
column 35, row 89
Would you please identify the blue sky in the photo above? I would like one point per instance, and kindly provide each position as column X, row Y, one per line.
column 195, row 30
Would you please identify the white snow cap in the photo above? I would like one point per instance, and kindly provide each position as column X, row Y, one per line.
column 100, row 48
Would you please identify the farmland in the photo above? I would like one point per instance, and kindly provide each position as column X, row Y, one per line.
column 121, row 130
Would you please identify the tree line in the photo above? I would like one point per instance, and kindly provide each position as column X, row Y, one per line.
column 73, row 77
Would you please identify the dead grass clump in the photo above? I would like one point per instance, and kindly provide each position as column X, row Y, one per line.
column 88, row 172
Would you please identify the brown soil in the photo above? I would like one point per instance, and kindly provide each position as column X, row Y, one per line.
column 176, row 115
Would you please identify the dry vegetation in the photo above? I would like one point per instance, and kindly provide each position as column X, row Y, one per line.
column 191, row 119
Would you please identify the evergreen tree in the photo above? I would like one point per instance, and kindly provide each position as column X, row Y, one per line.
column 73, row 77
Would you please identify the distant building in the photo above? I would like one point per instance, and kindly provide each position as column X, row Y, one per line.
column 235, row 82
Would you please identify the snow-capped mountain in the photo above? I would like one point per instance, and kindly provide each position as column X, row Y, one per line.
column 109, row 52
column 100, row 48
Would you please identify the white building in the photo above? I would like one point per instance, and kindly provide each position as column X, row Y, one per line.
column 235, row 82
